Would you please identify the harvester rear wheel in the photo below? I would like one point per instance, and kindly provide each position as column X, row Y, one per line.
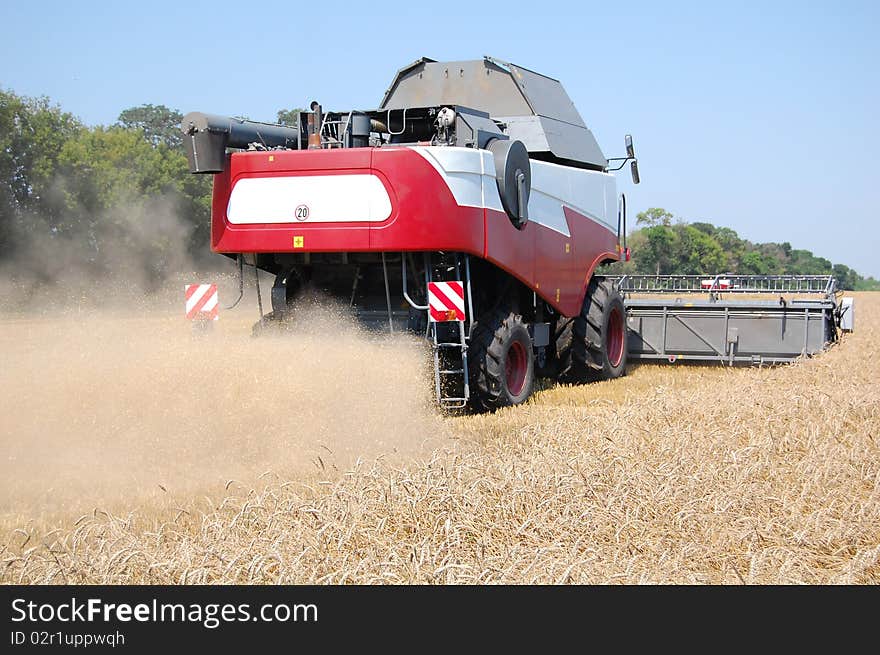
column 592, row 345
column 501, row 361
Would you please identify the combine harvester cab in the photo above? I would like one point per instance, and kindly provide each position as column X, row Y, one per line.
column 472, row 207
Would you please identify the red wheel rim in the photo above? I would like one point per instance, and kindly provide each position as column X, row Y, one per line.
column 616, row 337
column 516, row 365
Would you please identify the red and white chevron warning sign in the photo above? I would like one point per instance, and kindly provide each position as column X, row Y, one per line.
column 446, row 301
column 202, row 301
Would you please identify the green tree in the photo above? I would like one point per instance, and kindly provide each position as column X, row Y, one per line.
column 732, row 245
column 867, row 284
column 105, row 166
column 654, row 216
column 126, row 202
column 287, row 116
column 158, row 123
column 846, row 277
column 32, row 133
column 752, row 263
column 657, row 255
column 160, row 126
column 698, row 252
column 772, row 255
column 705, row 228
column 804, row 262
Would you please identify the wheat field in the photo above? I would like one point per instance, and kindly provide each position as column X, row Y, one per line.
column 330, row 466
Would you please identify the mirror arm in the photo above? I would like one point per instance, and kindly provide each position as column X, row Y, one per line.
column 622, row 161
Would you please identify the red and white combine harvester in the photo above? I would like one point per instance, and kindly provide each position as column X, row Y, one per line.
column 472, row 207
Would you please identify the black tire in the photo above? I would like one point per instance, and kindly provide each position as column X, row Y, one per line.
column 592, row 345
column 501, row 362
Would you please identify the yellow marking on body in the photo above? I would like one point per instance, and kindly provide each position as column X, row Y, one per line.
column 298, row 242
column 557, row 295
column 567, row 247
column 271, row 157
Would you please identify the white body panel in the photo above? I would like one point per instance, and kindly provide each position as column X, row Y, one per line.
column 328, row 199
column 470, row 175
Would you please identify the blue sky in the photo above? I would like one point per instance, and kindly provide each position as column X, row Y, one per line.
column 758, row 116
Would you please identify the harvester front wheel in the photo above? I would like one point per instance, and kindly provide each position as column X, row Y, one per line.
column 592, row 345
column 501, row 361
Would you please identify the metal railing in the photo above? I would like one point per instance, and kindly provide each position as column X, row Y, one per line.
column 726, row 283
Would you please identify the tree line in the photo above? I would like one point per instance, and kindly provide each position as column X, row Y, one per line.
column 663, row 244
column 113, row 199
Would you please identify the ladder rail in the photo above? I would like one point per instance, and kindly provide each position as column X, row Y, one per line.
column 441, row 372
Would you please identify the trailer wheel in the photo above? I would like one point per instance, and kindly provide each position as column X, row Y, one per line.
column 592, row 345
column 501, row 361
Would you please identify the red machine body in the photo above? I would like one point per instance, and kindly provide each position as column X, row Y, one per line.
column 424, row 216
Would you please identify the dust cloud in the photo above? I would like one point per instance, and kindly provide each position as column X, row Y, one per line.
column 100, row 405
column 122, row 254
column 108, row 394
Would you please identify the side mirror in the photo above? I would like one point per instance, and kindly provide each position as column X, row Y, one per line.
column 630, row 151
column 634, row 169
